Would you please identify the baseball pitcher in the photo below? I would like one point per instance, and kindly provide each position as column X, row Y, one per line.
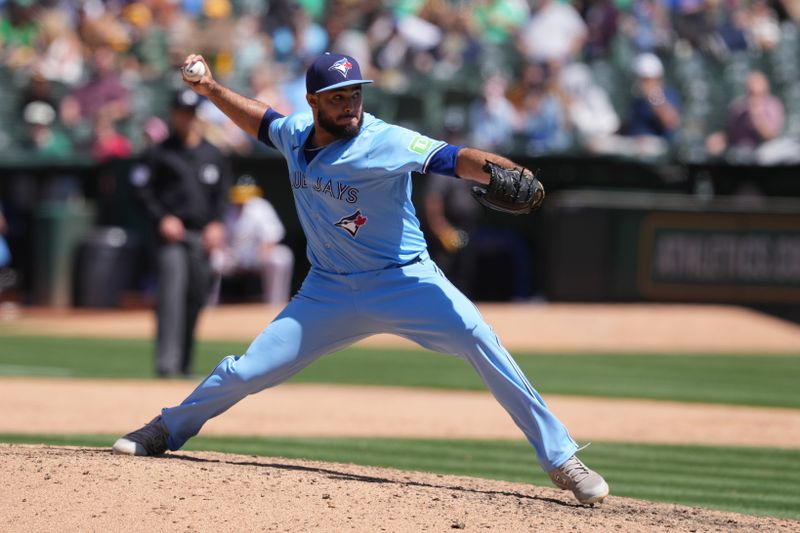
column 350, row 174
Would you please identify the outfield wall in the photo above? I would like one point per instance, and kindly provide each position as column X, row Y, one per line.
column 666, row 247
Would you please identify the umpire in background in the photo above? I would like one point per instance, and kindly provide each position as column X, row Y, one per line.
column 183, row 186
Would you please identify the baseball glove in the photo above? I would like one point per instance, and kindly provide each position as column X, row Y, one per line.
column 510, row 190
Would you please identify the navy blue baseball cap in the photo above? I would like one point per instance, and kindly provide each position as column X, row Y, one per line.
column 333, row 71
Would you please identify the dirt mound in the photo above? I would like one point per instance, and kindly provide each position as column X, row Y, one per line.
column 89, row 489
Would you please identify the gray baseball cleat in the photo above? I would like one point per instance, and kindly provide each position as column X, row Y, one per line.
column 150, row 439
column 588, row 486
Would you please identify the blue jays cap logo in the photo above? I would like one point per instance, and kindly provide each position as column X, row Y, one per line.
column 351, row 224
column 342, row 66
column 324, row 73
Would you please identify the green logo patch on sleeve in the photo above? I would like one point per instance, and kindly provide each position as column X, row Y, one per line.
column 420, row 144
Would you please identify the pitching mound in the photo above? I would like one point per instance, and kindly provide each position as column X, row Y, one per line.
column 89, row 489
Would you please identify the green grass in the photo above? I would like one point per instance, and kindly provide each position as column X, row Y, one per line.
column 745, row 480
column 765, row 380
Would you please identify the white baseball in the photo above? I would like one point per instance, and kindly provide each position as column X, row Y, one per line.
column 195, row 71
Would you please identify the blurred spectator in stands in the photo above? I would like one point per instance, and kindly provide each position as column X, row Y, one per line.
column 589, row 107
column 460, row 47
column 692, row 22
column 252, row 47
column 19, row 33
column 601, row 18
column 790, row 9
column 530, row 77
column 44, row 139
column 544, row 125
column 647, row 26
column 342, row 23
column 149, row 40
column 248, row 49
column 654, row 116
column 265, row 86
column 293, row 89
column 220, row 131
column 390, row 52
column 182, row 30
column 108, row 143
column 762, row 25
column 278, row 13
column 752, row 120
column 38, row 89
column 298, row 37
column 183, row 186
column 253, row 234
column 731, row 32
column 388, row 48
column 555, row 33
column 410, row 50
column 492, row 116
column 43, row 135
column 61, row 58
column 456, row 41
column 367, row 13
column 5, row 253
column 8, row 276
column 154, row 131
column 103, row 93
column 101, row 24
column 497, row 21
column 217, row 9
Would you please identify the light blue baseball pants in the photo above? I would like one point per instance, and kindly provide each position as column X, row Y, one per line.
column 332, row 311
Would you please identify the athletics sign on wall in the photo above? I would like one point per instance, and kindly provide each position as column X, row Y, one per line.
column 752, row 258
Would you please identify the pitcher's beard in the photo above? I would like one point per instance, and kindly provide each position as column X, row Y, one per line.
column 337, row 130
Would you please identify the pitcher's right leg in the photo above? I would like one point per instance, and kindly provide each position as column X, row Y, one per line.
column 317, row 321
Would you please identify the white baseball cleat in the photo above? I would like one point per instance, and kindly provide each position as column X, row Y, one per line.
column 588, row 486
column 150, row 439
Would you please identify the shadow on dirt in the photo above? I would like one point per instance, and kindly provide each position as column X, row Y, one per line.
column 337, row 474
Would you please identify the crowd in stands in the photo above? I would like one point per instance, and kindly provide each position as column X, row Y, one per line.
column 692, row 79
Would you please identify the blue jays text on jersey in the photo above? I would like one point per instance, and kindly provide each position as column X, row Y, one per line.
column 335, row 189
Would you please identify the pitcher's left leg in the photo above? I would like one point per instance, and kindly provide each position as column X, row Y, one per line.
column 555, row 449
column 449, row 323
column 512, row 389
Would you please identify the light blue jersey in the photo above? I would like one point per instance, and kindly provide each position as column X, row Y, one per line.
column 354, row 198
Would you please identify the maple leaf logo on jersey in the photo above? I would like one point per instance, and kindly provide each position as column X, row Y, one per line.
column 352, row 223
column 342, row 66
